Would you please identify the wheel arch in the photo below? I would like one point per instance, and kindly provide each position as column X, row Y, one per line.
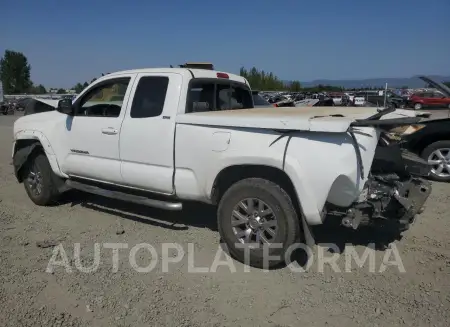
column 232, row 174
column 25, row 146
column 23, row 150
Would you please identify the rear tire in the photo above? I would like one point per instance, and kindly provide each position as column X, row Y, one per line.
column 275, row 200
column 417, row 106
column 39, row 180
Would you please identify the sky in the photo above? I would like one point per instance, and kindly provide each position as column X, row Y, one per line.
column 74, row 41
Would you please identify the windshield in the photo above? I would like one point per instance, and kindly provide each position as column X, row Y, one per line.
column 259, row 100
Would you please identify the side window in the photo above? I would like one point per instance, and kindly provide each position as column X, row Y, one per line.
column 149, row 97
column 217, row 95
column 104, row 100
column 200, row 96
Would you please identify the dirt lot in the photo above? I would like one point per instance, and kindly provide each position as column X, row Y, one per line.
column 30, row 296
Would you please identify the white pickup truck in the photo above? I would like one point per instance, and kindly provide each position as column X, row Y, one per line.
column 160, row 137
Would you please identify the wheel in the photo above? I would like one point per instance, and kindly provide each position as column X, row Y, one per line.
column 417, row 106
column 448, row 106
column 39, row 182
column 438, row 156
column 257, row 213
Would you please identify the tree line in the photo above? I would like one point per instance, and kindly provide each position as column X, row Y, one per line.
column 268, row 81
column 15, row 74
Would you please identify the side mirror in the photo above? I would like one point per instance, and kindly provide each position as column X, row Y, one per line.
column 65, row 107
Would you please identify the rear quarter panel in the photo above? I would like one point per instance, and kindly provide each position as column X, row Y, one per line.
column 322, row 166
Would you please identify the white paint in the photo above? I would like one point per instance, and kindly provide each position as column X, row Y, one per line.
column 184, row 153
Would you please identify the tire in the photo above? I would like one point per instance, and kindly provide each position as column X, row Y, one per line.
column 448, row 106
column 38, row 167
column 417, row 106
column 427, row 154
column 287, row 233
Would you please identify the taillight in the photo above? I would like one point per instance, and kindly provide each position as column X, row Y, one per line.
column 275, row 105
column 222, row 75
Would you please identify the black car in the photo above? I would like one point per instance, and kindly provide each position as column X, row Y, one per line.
column 431, row 141
column 377, row 98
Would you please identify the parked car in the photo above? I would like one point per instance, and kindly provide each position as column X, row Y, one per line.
column 259, row 101
column 439, row 99
column 178, row 136
column 7, row 107
column 22, row 103
column 431, row 141
column 377, row 98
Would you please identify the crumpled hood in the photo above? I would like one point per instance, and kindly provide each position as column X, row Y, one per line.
column 50, row 102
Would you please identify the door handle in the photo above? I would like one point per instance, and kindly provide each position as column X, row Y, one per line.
column 109, row 131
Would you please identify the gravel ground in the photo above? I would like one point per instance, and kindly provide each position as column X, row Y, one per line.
column 30, row 296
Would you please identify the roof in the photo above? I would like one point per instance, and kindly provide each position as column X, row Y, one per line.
column 198, row 73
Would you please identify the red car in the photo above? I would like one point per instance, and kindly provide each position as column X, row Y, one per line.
column 431, row 99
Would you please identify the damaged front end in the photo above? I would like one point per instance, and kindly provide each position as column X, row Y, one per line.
column 396, row 189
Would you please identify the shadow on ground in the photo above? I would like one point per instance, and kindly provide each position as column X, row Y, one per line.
column 193, row 214
column 331, row 235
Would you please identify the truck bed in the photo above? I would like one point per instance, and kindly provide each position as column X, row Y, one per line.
column 314, row 119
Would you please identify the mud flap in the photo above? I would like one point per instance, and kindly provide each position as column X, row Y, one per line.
column 309, row 236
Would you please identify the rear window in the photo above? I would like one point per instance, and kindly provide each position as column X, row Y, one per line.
column 210, row 95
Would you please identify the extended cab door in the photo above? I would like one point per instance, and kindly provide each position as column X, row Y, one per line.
column 148, row 132
column 92, row 134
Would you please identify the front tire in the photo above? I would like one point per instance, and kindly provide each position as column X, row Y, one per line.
column 258, row 213
column 39, row 180
column 437, row 155
column 417, row 106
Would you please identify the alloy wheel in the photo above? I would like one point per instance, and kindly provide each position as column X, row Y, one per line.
column 34, row 180
column 254, row 222
column 439, row 160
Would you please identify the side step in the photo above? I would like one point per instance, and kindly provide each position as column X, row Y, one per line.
column 174, row 206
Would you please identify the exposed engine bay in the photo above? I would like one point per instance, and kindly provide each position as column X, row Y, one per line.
column 394, row 193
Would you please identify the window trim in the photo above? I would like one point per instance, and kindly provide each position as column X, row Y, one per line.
column 216, row 82
column 76, row 104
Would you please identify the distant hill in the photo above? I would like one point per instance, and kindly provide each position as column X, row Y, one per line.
column 411, row 82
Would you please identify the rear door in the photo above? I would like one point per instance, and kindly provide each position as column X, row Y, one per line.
column 148, row 132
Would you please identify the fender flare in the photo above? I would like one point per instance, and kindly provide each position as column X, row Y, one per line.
column 309, row 215
column 36, row 140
